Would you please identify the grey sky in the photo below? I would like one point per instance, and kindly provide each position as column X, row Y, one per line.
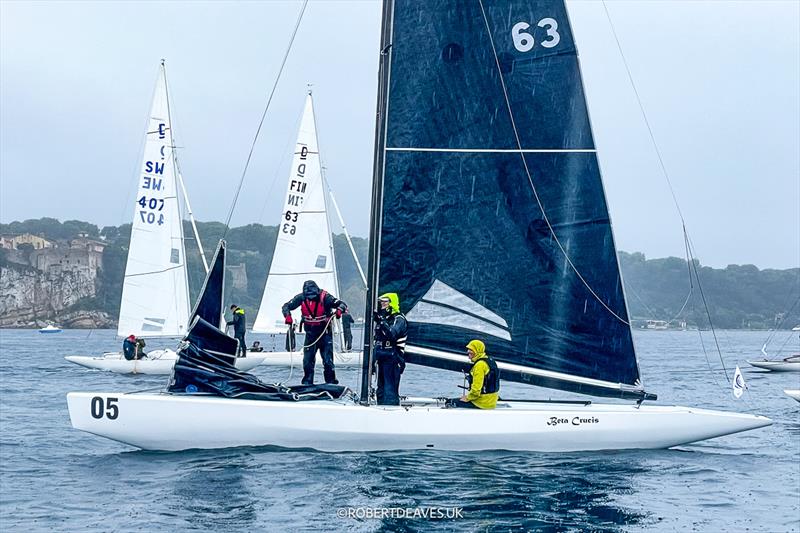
column 720, row 82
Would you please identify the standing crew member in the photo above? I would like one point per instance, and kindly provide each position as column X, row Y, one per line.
column 239, row 323
column 318, row 308
column 391, row 331
column 347, row 321
column 483, row 378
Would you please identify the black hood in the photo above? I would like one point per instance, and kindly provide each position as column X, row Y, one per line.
column 310, row 290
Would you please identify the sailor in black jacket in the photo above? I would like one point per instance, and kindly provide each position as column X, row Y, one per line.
column 318, row 308
column 239, row 327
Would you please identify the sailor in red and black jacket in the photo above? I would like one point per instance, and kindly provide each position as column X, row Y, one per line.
column 318, row 308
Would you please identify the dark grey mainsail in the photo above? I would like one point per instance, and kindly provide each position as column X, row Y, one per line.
column 209, row 305
column 489, row 215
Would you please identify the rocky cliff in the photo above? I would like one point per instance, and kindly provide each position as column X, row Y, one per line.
column 30, row 297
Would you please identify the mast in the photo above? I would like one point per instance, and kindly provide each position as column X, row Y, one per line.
column 180, row 180
column 376, row 213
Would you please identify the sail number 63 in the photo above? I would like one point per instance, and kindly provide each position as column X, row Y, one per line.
column 109, row 408
column 524, row 41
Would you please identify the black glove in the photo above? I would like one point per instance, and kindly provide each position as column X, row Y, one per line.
column 377, row 317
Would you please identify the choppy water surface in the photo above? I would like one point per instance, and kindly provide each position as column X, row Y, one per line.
column 55, row 478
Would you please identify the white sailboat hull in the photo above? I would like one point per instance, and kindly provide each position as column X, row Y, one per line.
column 159, row 362
column 340, row 359
column 777, row 366
column 793, row 394
column 171, row 422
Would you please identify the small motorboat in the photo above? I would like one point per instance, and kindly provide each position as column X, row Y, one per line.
column 50, row 328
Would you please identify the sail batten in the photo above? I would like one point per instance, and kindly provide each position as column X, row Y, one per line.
column 491, row 187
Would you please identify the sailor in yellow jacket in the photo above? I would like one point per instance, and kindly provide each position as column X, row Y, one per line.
column 484, row 379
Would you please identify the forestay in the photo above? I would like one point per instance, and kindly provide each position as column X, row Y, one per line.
column 494, row 222
column 304, row 247
column 155, row 293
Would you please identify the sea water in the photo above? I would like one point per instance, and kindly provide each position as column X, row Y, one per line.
column 54, row 478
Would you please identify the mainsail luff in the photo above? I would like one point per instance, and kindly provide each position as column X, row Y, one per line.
column 155, row 296
column 491, row 218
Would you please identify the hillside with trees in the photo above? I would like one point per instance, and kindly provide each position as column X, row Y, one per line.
column 738, row 296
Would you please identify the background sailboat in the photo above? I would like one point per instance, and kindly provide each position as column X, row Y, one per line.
column 304, row 246
column 155, row 290
column 447, row 92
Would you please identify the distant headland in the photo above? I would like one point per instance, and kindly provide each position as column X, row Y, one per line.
column 71, row 273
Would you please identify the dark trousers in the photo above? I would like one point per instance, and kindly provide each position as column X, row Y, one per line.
column 348, row 339
column 325, row 347
column 456, row 402
column 389, row 372
column 242, row 344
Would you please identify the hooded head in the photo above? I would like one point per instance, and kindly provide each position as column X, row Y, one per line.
column 132, row 338
column 394, row 302
column 478, row 347
column 310, row 290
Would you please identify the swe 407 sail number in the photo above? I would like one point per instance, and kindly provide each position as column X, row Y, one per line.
column 524, row 41
column 107, row 408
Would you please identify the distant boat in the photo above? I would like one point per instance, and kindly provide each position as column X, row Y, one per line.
column 793, row 394
column 796, row 328
column 303, row 248
column 657, row 324
column 789, row 364
column 155, row 290
column 50, row 328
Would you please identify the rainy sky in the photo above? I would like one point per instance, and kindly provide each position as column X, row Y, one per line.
column 719, row 83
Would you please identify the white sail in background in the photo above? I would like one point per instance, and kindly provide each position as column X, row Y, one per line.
column 155, row 292
column 304, row 248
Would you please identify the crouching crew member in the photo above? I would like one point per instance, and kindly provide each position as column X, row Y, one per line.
column 483, row 378
column 133, row 348
column 317, row 308
column 391, row 331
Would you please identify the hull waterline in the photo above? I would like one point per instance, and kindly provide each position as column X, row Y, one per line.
column 777, row 366
column 176, row 422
